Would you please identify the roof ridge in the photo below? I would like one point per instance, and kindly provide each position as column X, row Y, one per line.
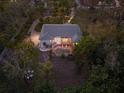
column 60, row 24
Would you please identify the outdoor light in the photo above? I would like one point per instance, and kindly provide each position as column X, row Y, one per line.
column 28, row 74
column 76, row 43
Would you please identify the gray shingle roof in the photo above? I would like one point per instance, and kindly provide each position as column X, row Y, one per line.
column 50, row 31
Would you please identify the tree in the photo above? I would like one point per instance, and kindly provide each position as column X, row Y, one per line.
column 4, row 5
column 22, row 67
column 84, row 50
column 99, row 81
column 117, row 72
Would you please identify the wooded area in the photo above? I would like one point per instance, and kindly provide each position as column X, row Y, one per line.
column 101, row 48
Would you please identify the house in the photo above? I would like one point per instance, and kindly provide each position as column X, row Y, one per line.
column 59, row 38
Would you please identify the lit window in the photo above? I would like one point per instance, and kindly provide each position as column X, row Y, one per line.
column 76, row 43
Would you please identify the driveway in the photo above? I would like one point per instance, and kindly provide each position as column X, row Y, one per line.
column 66, row 74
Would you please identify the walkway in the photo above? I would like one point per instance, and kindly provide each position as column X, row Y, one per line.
column 72, row 14
column 35, row 37
column 34, row 34
column 117, row 3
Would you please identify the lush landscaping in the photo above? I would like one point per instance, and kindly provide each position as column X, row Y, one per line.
column 101, row 48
